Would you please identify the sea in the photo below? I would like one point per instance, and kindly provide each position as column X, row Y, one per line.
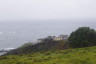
column 16, row 33
column 2, row 53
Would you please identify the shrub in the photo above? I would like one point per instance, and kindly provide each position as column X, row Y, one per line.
column 82, row 37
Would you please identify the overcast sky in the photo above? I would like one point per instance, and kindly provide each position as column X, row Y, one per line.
column 47, row 9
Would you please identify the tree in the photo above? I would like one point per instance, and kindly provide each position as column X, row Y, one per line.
column 82, row 37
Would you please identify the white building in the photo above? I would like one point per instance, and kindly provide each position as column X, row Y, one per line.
column 54, row 38
column 64, row 37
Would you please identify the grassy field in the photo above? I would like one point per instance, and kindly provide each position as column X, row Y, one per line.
column 70, row 56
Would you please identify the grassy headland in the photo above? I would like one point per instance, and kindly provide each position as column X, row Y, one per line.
column 71, row 56
column 40, row 47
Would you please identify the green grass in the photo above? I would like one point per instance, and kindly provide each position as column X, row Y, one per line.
column 70, row 56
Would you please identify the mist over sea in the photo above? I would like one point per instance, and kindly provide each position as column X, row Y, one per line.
column 15, row 33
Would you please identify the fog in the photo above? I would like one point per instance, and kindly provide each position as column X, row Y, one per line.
column 22, row 21
column 11, row 10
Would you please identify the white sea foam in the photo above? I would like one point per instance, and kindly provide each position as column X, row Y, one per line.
column 8, row 49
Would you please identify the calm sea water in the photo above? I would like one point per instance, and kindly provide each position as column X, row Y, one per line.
column 14, row 34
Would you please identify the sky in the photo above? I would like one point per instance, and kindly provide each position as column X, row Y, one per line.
column 47, row 9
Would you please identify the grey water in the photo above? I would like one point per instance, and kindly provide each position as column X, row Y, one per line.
column 15, row 33
column 2, row 53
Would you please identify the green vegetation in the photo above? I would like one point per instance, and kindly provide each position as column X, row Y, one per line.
column 83, row 37
column 26, row 44
column 70, row 56
column 39, row 47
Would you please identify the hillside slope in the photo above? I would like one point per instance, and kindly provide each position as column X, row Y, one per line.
column 40, row 47
column 70, row 56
